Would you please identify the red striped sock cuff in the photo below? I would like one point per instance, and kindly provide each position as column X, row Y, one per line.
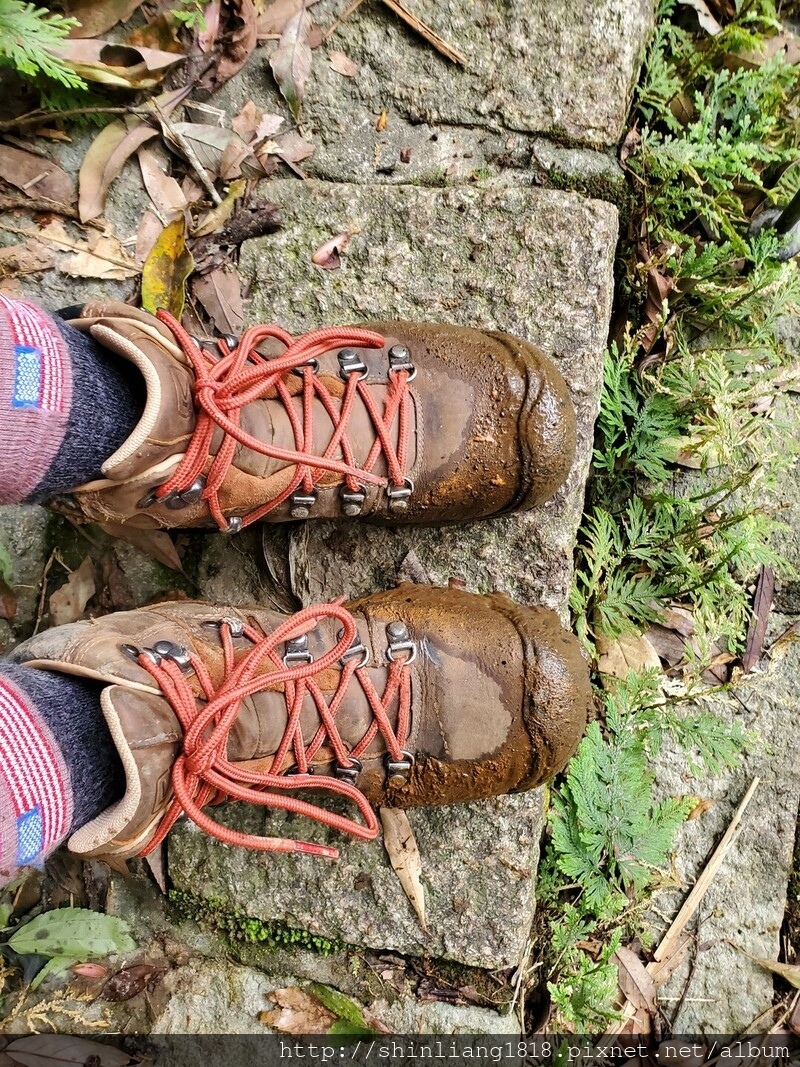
column 35, row 794
column 35, row 396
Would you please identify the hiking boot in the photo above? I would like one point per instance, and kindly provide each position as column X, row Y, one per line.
column 393, row 421
column 414, row 696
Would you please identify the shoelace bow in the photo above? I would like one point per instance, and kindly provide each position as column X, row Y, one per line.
column 224, row 386
column 202, row 773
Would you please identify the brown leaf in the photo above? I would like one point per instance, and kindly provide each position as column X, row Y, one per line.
column 704, row 16
column 102, row 256
column 327, row 255
column 253, row 125
column 272, row 17
column 630, row 146
column 219, row 292
column 56, row 1050
column 659, row 286
column 342, row 64
column 291, row 61
column 148, row 233
column 785, row 45
column 98, row 16
column 669, row 646
column 210, row 145
column 161, row 33
column 116, row 64
column 129, row 982
column 207, row 36
column 155, row 543
column 700, row 808
column 789, row 972
column 401, row 846
column 635, row 983
column 166, row 271
column 28, row 257
column 237, row 41
column 298, row 1012
column 104, row 160
column 69, row 602
column 35, row 175
column 757, row 631
column 8, row 601
column 89, row 970
column 291, row 147
column 167, row 196
column 629, row 652
column 216, row 218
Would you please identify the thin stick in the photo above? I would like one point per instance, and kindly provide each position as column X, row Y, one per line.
column 191, row 155
column 71, row 246
column 701, row 886
column 425, row 31
column 356, row 4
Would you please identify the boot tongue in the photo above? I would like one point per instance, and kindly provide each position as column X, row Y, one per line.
column 168, row 419
column 148, row 738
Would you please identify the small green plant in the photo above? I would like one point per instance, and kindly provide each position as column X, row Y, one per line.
column 190, row 14
column 27, row 35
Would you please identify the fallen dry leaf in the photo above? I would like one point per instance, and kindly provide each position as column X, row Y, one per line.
column 28, row 257
column 328, row 255
column 401, row 846
column 253, row 125
column 291, row 61
column 56, row 1050
column 272, row 16
column 342, row 64
column 635, row 984
column 292, row 147
column 789, row 972
column 166, row 271
column 130, row 981
column 116, row 64
column 215, row 147
column 629, row 652
column 383, row 121
column 786, row 45
column 150, row 228
column 35, row 175
column 161, row 33
column 216, row 218
column 235, row 42
column 704, row 16
column 8, row 600
column 701, row 807
column 298, row 1012
column 208, row 35
column 165, row 193
column 757, row 631
column 219, row 292
column 155, row 543
column 69, row 602
column 98, row 16
column 104, row 160
column 102, row 256
column 89, row 970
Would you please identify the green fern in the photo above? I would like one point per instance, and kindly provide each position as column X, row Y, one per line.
column 27, row 35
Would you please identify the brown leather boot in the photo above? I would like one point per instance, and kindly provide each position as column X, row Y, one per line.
column 393, row 421
column 415, row 696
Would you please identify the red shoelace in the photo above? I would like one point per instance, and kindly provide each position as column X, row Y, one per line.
column 224, row 386
column 202, row 773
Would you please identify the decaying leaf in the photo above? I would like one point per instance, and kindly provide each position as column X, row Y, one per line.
column 235, row 43
column 167, row 196
column 155, row 543
column 659, row 286
column 129, row 982
column 342, row 64
column 69, row 602
column 216, row 147
column 757, row 631
column 253, row 125
column 629, row 652
column 298, row 1012
column 216, row 218
column 701, row 807
column 291, row 61
column 119, row 65
column 104, row 160
column 161, row 33
column 89, row 970
column 28, row 257
column 401, row 847
column 291, row 147
column 273, row 15
column 208, row 35
column 8, row 600
column 704, row 16
column 61, row 1050
column 328, row 255
column 150, row 228
column 102, row 256
column 35, row 175
column 635, row 984
column 219, row 292
column 789, row 972
column 98, row 16
column 166, row 271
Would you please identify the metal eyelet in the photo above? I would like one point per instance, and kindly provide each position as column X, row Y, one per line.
column 400, row 359
column 349, row 774
column 132, row 652
column 350, row 362
column 231, row 340
column 301, row 503
column 397, row 771
column 177, row 653
column 352, row 500
column 398, row 495
column 236, row 626
column 356, row 648
column 297, row 651
column 148, row 499
column 400, row 641
column 234, row 525
column 177, row 501
column 312, row 363
column 294, row 769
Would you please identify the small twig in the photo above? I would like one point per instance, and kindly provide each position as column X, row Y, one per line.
column 70, row 246
column 191, row 156
column 425, row 31
column 345, row 15
column 55, row 554
column 701, row 886
column 37, row 203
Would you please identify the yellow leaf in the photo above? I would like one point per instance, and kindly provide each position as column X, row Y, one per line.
column 166, row 271
column 401, row 845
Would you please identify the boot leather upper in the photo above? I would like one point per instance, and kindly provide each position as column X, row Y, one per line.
column 492, row 427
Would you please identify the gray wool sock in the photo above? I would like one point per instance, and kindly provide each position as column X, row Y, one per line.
column 108, row 398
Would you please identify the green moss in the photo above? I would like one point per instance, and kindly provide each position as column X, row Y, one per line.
column 239, row 928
